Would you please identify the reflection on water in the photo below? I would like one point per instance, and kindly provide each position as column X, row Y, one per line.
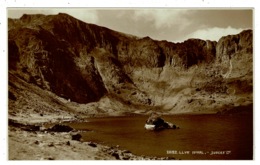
column 199, row 137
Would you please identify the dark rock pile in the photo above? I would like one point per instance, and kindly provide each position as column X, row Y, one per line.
column 59, row 128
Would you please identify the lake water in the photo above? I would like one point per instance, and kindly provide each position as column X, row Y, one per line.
column 200, row 137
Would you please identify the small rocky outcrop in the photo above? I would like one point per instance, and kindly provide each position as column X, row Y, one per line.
column 26, row 127
column 59, row 128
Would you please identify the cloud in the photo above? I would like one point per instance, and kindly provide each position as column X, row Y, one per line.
column 161, row 24
column 162, row 18
column 213, row 34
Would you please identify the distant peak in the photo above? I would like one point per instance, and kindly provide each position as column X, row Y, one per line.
column 147, row 38
column 246, row 31
column 64, row 14
column 30, row 16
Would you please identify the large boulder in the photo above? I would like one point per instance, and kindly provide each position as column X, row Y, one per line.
column 155, row 122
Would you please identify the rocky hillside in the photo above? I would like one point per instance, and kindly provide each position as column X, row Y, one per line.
column 103, row 71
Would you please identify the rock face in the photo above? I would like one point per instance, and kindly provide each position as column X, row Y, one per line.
column 234, row 52
column 85, row 63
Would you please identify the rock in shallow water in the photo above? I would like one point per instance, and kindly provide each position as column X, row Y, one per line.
column 155, row 122
column 116, row 155
column 92, row 144
column 76, row 137
column 60, row 128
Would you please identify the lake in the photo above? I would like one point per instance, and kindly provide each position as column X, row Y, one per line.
column 200, row 137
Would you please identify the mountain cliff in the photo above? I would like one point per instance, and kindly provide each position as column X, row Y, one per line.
column 99, row 69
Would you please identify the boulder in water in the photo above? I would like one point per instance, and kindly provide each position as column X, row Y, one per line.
column 155, row 122
column 76, row 137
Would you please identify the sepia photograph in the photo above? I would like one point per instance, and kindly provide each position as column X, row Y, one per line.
column 130, row 83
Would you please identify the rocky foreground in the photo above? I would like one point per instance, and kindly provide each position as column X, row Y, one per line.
column 34, row 142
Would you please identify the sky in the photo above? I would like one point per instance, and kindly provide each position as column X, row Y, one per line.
column 171, row 24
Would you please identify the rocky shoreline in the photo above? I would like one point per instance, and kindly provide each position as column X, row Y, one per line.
column 61, row 142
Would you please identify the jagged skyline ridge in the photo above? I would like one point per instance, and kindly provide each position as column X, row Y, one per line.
column 175, row 25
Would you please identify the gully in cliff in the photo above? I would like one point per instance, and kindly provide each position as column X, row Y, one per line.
column 155, row 122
